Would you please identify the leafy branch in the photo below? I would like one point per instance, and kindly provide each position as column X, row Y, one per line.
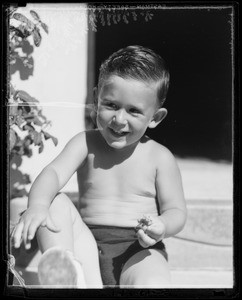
column 27, row 124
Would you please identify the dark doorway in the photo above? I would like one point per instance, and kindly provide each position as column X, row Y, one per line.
column 196, row 44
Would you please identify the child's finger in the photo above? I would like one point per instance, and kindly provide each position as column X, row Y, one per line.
column 144, row 239
column 156, row 232
column 28, row 244
column 17, row 234
column 25, row 234
column 33, row 228
column 153, row 232
column 51, row 225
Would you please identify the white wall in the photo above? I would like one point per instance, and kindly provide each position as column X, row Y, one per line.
column 59, row 78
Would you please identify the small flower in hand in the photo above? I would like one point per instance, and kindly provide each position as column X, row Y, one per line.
column 150, row 230
column 143, row 223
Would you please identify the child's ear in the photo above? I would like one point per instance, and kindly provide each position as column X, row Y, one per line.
column 93, row 113
column 95, row 97
column 158, row 117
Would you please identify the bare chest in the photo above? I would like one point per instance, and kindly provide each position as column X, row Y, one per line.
column 101, row 177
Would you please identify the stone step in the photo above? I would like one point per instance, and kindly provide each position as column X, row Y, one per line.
column 202, row 279
column 180, row 278
column 204, row 179
column 184, row 254
column 209, row 221
column 181, row 254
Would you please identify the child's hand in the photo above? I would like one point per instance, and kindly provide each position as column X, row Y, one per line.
column 150, row 230
column 34, row 217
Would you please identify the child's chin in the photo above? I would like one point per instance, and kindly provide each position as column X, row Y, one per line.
column 121, row 145
column 118, row 145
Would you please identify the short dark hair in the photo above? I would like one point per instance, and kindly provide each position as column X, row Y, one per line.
column 137, row 62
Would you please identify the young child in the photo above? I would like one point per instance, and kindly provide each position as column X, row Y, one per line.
column 131, row 195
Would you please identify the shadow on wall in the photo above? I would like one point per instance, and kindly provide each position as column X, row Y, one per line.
column 17, row 179
column 23, row 63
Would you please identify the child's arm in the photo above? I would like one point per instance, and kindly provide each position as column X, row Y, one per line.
column 171, row 201
column 52, row 179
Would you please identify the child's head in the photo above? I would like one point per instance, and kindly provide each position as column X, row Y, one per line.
column 140, row 63
column 132, row 88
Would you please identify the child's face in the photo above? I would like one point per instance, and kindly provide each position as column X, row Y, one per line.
column 125, row 108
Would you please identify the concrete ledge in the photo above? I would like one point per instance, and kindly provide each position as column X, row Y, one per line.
column 189, row 255
column 202, row 279
column 209, row 221
column 180, row 278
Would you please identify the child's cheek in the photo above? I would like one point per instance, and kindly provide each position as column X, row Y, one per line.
column 105, row 114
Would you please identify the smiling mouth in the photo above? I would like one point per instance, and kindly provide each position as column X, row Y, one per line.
column 118, row 133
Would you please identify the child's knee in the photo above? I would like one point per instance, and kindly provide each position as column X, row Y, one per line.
column 61, row 205
column 63, row 208
column 60, row 200
column 61, row 197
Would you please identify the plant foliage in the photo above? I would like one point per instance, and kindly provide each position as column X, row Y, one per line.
column 27, row 124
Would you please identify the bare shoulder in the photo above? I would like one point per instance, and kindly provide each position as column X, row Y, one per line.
column 160, row 154
column 75, row 147
column 71, row 157
column 86, row 141
column 84, row 136
column 78, row 140
column 159, row 150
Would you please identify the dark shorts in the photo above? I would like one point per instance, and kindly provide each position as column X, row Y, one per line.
column 116, row 245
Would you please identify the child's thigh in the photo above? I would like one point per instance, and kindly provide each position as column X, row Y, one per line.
column 147, row 268
column 85, row 249
column 74, row 235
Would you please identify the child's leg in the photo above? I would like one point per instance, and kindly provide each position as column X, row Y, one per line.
column 146, row 269
column 73, row 236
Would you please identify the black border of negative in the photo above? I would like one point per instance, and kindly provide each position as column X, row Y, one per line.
column 8, row 291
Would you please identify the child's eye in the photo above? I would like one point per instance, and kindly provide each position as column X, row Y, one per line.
column 111, row 105
column 134, row 111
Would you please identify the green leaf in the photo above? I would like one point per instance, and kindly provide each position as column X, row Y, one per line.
column 26, row 179
column 12, row 90
column 19, row 121
column 55, row 140
column 35, row 15
column 26, row 108
column 12, row 138
column 13, row 110
column 48, row 136
column 37, row 138
column 12, row 120
column 30, row 25
column 28, row 152
column 41, row 147
column 28, row 127
column 45, row 27
column 25, row 96
column 41, row 115
column 27, row 142
column 23, row 31
column 36, row 36
column 37, row 121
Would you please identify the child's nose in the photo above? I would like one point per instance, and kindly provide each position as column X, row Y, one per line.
column 121, row 117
